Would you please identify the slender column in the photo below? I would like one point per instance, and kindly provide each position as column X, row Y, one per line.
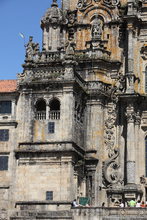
column 130, row 145
column 137, row 129
column 130, row 63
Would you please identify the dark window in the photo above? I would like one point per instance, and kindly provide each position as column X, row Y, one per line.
column 41, row 110
column 54, row 113
column 146, row 156
column 4, row 134
column 54, row 105
column 3, row 162
column 49, row 195
column 5, row 107
column 51, row 127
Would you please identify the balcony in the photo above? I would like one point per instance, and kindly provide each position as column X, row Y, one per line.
column 54, row 115
column 40, row 115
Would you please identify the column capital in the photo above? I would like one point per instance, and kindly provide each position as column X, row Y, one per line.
column 130, row 114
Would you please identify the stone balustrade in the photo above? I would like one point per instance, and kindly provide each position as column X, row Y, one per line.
column 61, row 210
column 114, row 213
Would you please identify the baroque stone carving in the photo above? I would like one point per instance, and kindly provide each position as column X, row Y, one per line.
column 32, row 49
column 111, row 173
column 130, row 114
column 109, row 129
column 111, row 167
column 143, row 52
column 53, row 15
column 96, row 30
column 142, row 179
column 83, row 4
column 41, row 74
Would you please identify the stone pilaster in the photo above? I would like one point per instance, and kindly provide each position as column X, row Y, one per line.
column 130, row 145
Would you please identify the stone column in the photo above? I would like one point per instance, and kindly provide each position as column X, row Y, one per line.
column 130, row 145
column 137, row 141
column 130, row 64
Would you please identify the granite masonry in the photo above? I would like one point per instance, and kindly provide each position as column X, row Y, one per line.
column 74, row 123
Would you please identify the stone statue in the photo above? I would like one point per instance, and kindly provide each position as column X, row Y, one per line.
column 31, row 49
column 97, row 28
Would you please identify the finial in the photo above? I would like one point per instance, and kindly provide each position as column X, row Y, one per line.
column 54, row 4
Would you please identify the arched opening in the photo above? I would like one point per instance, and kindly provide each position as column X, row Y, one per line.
column 54, row 112
column 41, row 110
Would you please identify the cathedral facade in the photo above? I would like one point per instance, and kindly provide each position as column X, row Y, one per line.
column 74, row 123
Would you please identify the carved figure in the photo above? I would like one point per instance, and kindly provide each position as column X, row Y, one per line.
column 97, row 28
column 31, row 49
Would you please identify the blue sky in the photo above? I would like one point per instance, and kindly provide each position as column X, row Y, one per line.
column 18, row 16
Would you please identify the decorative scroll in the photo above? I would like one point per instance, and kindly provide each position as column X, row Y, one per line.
column 111, row 172
column 84, row 4
column 111, row 167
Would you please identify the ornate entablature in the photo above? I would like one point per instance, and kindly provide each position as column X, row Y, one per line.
column 97, row 87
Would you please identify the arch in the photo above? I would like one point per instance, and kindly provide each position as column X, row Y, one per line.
column 54, row 106
column 40, row 109
column 146, row 156
column 101, row 11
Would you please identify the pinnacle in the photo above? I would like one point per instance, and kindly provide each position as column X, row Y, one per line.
column 54, row 4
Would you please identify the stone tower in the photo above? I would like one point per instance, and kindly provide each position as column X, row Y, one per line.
column 80, row 108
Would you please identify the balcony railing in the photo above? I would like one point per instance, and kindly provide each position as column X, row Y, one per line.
column 54, row 115
column 41, row 115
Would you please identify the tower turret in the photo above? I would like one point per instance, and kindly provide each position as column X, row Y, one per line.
column 51, row 26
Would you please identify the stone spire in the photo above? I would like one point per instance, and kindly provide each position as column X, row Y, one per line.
column 51, row 24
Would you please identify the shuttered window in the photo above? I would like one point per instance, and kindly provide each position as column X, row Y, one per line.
column 5, row 107
column 3, row 162
column 4, row 134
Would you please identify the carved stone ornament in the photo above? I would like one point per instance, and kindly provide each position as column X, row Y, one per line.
column 111, row 167
column 83, row 4
column 130, row 114
column 96, row 30
column 111, row 170
column 143, row 52
column 29, row 75
column 110, row 129
column 111, row 2
column 53, row 15
column 142, row 179
column 32, row 49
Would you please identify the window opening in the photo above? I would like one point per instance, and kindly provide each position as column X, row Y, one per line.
column 51, row 127
column 3, row 162
column 49, row 195
column 41, row 110
column 54, row 112
column 5, row 107
column 4, row 134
